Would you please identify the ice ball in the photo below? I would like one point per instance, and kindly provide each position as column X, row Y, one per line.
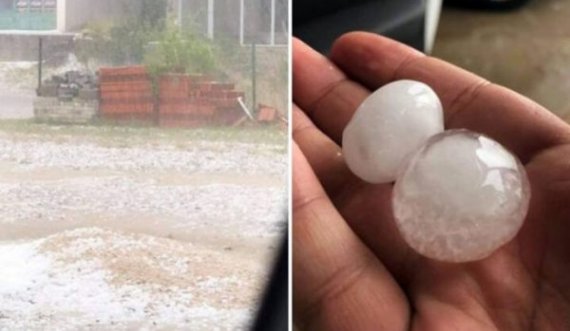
column 388, row 126
column 460, row 197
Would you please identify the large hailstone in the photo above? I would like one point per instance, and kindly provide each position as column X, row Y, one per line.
column 388, row 126
column 460, row 197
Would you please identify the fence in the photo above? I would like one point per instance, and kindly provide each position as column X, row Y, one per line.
column 257, row 74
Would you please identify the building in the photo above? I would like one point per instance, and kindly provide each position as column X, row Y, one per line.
column 59, row 15
column 259, row 21
column 249, row 21
column 28, row 14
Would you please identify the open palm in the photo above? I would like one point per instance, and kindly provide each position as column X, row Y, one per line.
column 352, row 270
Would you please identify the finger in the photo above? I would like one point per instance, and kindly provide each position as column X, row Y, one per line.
column 468, row 100
column 323, row 154
column 338, row 284
column 323, row 92
column 324, row 157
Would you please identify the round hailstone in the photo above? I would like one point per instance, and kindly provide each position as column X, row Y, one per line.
column 461, row 196
column 388, row 126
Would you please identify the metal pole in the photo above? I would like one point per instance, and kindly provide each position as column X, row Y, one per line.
column 180, row 13
column 253, row 79
column 241, row 21
column 272, row 39
column 40, row 61
column 211, row 19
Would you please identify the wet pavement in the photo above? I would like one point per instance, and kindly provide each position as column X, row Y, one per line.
column 527, row 50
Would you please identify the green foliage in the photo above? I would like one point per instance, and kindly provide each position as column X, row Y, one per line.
column 180, row 52
column 123, row 42
column 149, row 36
column 127, row 43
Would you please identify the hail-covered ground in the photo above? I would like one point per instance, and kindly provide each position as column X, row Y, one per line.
column 137, row 228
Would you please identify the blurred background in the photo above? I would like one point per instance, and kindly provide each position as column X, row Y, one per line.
column 522, row 44
column 526, row 49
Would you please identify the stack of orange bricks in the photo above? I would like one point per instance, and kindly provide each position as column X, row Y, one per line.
column 126, row 94
column 183, row 100
column 195, row 100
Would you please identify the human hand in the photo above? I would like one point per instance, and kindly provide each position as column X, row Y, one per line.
column 351, row 268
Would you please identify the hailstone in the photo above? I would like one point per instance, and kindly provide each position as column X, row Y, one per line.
column 388, row 127
column 460, row 197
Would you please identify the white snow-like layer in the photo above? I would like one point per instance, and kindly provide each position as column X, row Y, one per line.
column 130, row 184
column 225, row 201
column 21, row 267
column 213, row 157
column 253, row 210
column 74, row 280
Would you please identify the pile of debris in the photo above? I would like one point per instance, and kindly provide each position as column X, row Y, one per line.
column 71, row 97
column 69, row 85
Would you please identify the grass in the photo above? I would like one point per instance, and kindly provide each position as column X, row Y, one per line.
column 132, row 135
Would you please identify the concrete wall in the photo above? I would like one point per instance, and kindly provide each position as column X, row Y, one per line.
column 16, row 47
column 51, row 110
